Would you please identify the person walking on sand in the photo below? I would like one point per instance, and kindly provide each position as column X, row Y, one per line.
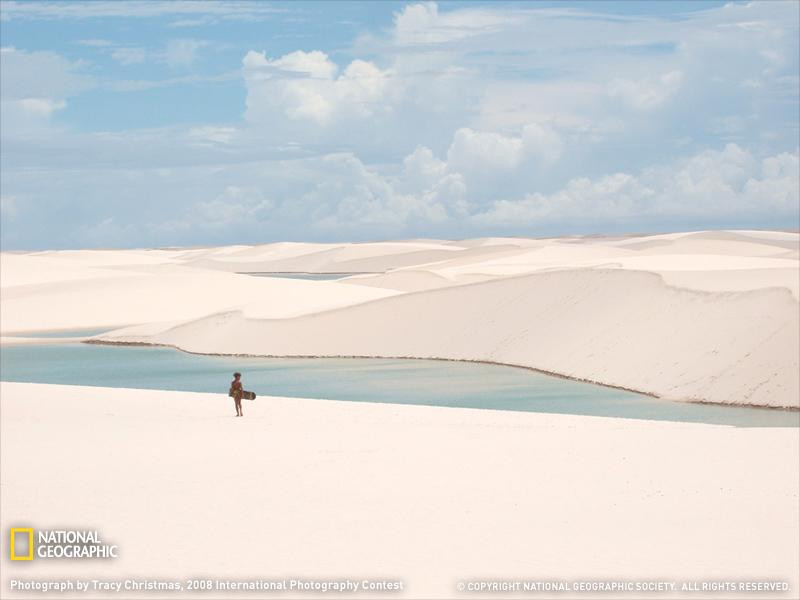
column 236, row 393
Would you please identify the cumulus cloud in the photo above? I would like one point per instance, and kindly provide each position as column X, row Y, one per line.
column 431, row 178
column 348, row 199
column 304, row 86
column 421, row 169
column 353, row 194
column 480, row 165
column 730, row 182
column 473, row 151
column 233, row 206
column 339, row 197
column 360, row 107
column 486, row 151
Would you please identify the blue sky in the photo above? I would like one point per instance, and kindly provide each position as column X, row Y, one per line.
column 163, row 123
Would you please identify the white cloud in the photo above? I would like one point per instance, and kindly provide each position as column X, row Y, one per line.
column 39, row 74
column 608, row 197
column 213, row 135
column 39, row 107
column 304, row 86
column 483, row 165
column 33, row 87
column 352, row 196
column 95, row 43
column 178, row 53
column 424, row 24
column 338, row 195
column 129, row 56
column 784, row 165
column 421, row 169
column 647, row 93
column 712, row 184
column 133, row 85
column 182, row 53
column 135, row 9
column 9, row 207
column 473, row 151
column 198, row 22
column 235, row 205
column 360, row 107
column 315, row 64
column 29, row 116
column 429, row 178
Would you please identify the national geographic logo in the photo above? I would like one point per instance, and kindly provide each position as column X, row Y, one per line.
column 26, row 543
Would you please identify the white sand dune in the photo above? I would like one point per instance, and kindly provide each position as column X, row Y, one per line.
column 29, row 270
column 321, row 258
column 115, row 296
column 735, row 280
column 319, row 489
column 727, row 347
column 709, row 316
column 332, row 261
column 406, row 280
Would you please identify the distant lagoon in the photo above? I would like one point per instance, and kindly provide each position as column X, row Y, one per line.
column 401, row 381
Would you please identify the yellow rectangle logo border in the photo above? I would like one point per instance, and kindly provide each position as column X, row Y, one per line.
column 29, row 531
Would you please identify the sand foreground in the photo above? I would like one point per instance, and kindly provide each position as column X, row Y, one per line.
column 424, row 495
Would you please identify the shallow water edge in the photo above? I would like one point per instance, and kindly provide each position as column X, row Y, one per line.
column 436, row 358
